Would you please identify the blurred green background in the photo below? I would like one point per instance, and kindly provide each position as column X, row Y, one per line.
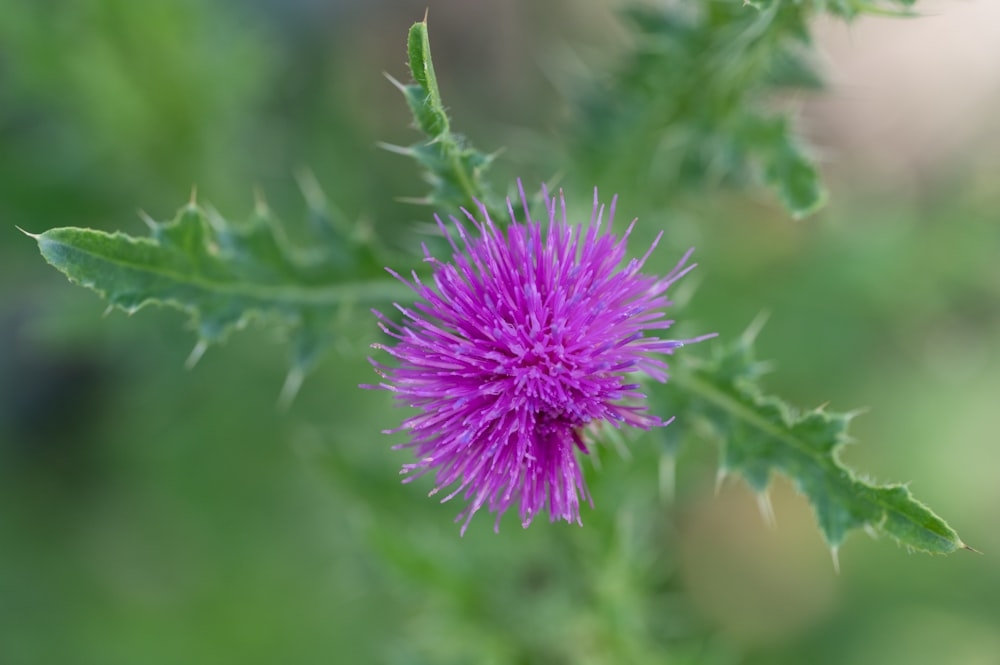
column 154, row 515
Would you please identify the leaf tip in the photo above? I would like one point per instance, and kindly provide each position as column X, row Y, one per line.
column 749, row 335
column 415, row 200
column 398, row 149
column 963, row 546
column 835, row 556
column 196, row 353
column 720, row 479
column 293, row 381
column 215, row 220
column 33, row 236
column 817, row 203
column 310, row 188
column 766, row 509
column 393, row 80
column 193, row 199
column 871, row 531
column 147, row 219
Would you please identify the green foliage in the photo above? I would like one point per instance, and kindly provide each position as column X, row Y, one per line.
column 762, row 434
column 161, row 517
column 224, row 274
column 691, row 104
column 453, row 168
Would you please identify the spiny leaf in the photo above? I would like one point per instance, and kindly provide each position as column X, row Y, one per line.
column 224, row 274
column 452, row 167
column 762, row 434
column 786, row 167
column 692, row 104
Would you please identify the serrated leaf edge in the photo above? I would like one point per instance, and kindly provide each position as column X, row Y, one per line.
column 688, row 381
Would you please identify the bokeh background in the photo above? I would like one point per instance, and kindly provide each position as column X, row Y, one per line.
column 154, row 515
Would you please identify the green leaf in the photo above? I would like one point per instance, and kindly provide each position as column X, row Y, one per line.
column 785, row 164
column 453, row 168
column 697, row 100
column 762, row 434
column 224, row 274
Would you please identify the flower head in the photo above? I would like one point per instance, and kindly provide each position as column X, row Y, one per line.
column 527, row 339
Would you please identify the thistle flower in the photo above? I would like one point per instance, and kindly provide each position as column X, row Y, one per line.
column 526, row 341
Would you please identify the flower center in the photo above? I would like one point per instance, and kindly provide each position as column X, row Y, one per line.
column 544, row 378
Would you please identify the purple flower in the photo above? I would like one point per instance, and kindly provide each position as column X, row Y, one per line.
column 526, row 340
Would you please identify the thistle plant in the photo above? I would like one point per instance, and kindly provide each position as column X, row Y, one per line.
column 524, row 335
column 522, row 347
